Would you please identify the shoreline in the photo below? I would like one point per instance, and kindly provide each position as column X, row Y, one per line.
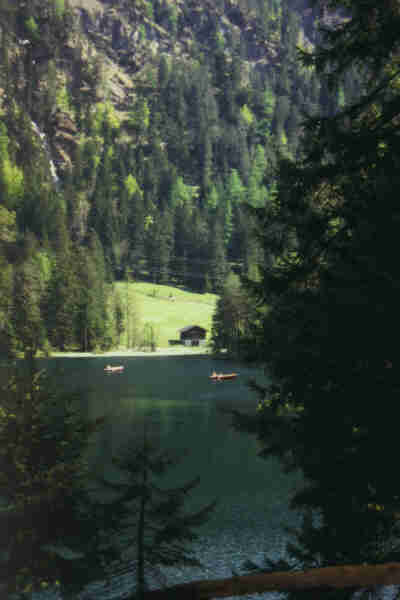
column 119, row 353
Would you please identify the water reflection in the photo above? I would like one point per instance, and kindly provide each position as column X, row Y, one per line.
column 179, row 405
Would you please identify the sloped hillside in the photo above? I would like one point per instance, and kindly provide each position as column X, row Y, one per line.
column 133, row 136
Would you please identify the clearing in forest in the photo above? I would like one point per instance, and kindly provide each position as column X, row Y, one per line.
column 166, row 308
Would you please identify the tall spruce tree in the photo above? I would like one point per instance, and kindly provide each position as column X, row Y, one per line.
column 28, row 293
column 232, row 318
column 331, row 283
column 217, row 256
column 60, row 306
column 92, row 316
column 157, row 529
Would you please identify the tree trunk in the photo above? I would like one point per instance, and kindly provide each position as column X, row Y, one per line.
column 348, row 576
column 141, row 581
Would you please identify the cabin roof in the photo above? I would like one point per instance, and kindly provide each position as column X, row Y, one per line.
column 189, row 327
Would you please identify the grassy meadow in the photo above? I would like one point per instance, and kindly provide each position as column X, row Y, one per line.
column 166, row 308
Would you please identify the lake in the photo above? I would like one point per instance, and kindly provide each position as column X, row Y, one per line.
column 182, row 408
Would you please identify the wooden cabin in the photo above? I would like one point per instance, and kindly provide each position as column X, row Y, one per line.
column 192, row 335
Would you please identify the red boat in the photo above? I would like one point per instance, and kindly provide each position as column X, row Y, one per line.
column 222, row 376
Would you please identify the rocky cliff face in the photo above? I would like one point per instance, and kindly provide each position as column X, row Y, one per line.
column 63, row 135
column 126, row 40
column 103, row 50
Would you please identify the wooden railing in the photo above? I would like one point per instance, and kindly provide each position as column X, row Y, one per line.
column 348, row 576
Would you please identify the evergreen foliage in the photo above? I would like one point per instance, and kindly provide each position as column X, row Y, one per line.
column 157, row 530
column 159, row 177
column 234, row 320
column 49, row 518
column 331, row 284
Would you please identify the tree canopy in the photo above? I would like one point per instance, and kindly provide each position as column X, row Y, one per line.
column 331, row 283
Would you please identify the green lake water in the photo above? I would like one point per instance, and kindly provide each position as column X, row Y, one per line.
column 174, row 398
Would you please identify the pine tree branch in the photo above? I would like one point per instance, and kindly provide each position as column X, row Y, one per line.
column 347, row 576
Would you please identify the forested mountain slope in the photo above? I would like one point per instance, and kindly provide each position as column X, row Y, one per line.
column 132, row 135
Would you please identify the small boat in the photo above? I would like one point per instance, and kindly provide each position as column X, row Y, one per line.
column 222, row 376
column 116, row 369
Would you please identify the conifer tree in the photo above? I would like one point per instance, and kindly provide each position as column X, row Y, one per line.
column 92, row 316
column 7, row 335
column 199, row 259
column 118, row 317
column 159, row 247
column 136, row 231
column 182, row 242
column 50, row 522
column 61, row 301
column 331, row 283
column 28, row 294
column 217, row 256
column 232, row 318
column 131, row 312
column 157, row 529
